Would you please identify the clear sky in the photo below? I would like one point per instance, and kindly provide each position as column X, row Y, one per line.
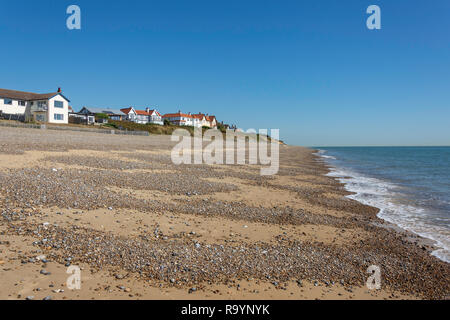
column 310, row 68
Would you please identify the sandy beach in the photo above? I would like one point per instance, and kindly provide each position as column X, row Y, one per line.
column 140, row 227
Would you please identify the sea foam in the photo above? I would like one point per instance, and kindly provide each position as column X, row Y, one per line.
column 384, row 195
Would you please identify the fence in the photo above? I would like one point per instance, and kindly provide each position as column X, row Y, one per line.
column 19, row 125
column 68, row 128
column 9, row 116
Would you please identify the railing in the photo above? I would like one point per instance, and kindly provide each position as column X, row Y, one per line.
column 39, row 108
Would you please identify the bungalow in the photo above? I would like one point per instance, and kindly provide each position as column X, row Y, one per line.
column 94, row 112
column 143, row 117
column 48, row 107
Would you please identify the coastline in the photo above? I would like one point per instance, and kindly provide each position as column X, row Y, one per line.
column 161, row 231
column 348, row 178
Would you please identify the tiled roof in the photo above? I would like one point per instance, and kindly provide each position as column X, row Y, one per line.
column 154, row 110
column 126, row 110
column 103, row 110
column 142, row 113
column 175, row 115
column 28, row 96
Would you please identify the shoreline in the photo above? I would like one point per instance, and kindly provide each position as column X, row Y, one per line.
column 426, row 242
column 190, row 232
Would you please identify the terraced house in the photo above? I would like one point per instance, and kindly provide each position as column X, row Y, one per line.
column 41, row 107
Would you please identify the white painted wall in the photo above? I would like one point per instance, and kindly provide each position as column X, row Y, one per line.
column 52, row 110
column 14, row 108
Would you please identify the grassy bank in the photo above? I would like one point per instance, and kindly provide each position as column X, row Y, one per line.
column 150, row 128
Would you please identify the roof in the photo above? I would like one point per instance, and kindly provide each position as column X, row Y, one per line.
column 201, row 115
column 154, row 110
column 179, row 114
column 102, row 110
column 126, row 110
column 198, row 116
column 142, row 113
column 28, row 96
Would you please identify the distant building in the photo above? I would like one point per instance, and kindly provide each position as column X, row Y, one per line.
column 89, row 112
column 143, row 116
column 206, row 120
column 195, row 120
column 47, row 107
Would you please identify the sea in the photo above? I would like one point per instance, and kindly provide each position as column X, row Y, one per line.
column 410, row 186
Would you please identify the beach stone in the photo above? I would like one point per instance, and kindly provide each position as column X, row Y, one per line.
column 191, row 290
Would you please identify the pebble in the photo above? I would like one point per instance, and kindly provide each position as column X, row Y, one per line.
column 193, row 289
column 32, row 189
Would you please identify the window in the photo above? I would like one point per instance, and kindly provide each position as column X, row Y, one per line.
column 7, row 101
column 58, row 116
column 42, row 104
column 21, row 103
column 59, row 104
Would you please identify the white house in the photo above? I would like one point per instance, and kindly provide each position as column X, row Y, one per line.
column 195, row 120
column 182, row 119
column 143, row 117
column 206, row 120
column 48, row 107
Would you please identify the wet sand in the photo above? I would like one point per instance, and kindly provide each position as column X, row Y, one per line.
column 141, row 227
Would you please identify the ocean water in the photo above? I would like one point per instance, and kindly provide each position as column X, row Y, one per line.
column 410, row 186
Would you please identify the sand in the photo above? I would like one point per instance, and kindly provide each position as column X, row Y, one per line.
column 140, row 227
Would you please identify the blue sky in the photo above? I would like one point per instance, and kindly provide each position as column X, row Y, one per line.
column 310, row 68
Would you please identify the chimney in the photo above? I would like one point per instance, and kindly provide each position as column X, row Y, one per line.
column 59, row 90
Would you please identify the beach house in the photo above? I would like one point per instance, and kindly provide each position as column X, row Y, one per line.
column 206, row 120
column 101, row 115
column 41, row 107
column 183, row 119
column 143, row 116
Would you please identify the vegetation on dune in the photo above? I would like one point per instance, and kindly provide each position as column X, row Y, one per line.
column 101, row 116
column 167, row 128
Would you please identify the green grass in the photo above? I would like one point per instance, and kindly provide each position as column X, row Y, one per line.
column 150, row 128
column 167, row 129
